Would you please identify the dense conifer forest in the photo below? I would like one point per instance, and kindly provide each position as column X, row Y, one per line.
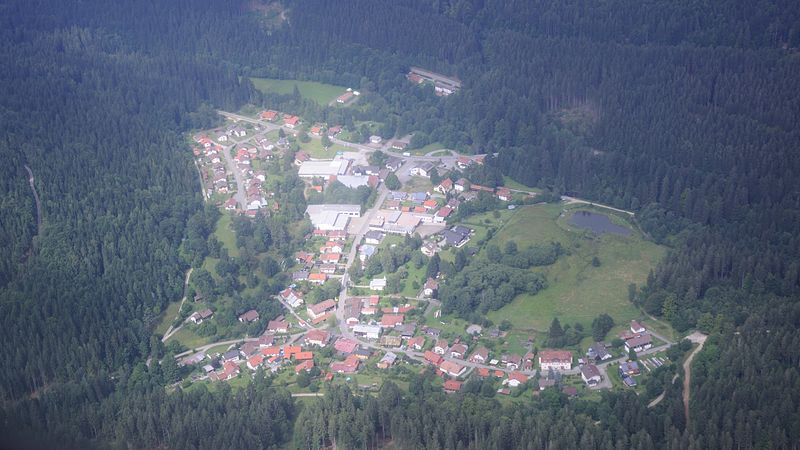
column 686, row 113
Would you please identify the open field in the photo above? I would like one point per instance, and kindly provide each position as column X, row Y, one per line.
column 225, row 234
column 319, row 92
column 167, row 317
column 577, row 291
column 317, row 151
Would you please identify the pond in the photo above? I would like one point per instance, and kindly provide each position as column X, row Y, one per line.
column 597, row 223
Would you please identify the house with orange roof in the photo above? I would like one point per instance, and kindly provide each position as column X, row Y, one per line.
column 317, row 278
column 451, row 386
column 254, row 362
column 269, row 115
column 305, row 365
column 291, row 350
column 291, row 121
column 303, row 356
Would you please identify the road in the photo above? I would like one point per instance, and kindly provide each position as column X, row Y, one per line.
column 697, row 338
column 203, row 348
column 171, row 331
column 36, row 199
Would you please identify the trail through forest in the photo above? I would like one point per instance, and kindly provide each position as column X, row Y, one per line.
column 36, row 198
column 695, row 337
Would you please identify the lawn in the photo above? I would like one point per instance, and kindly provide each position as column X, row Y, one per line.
column 167, row 317
column 321, row 93
column 511, row 184
column 428, row 148
column 317, row 151
column 418, row 184
column 225, row 235
column 188, row 338
column 577, row 291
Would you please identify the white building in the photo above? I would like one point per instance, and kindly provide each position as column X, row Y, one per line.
column 377, row 284
column 310, row 169
column 367, row 331
column 332, row 217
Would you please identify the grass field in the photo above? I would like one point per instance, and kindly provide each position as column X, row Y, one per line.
column 577, row 291
column 167, row 317
column 317, row 151
column 225, row 234
column 318, row 92
column 418, row 184
column 511, row 184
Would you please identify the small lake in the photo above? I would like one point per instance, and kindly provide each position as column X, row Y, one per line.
column 597, row 223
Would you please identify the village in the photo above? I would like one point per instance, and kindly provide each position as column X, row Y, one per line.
column 364, row 329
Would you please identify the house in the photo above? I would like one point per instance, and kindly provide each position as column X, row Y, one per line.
column 349, row 365
column 391, row 320
column 231, row 355
column 629, row 369
column 461, row 185
column 433, row 358
column 451, row 386
column 430, row 288
column 301, row 157
column 332, row 247
column 527, row 361
column 344, row 98
column 399, row 145
column 249, row 348
column 317, row 337
column 366, row 251
column 432, row 332
column 291, row 121
column 375, row 139
column 591, row 375
column 512, row 361
column 316, row 130
column 444, row 187
column 393, row 164
column 321, row 308
column 373, row 237
column 198, row 317
column 362, row 353
column 430, row 204
column 423, row 170
column 345, row 346
column 639, row 343
column 367, row 331
column 249, row 316
column 333, row 131
column 463, row 162
column 441, row 346
column 456, row 236
column 417, row 343
column 516, row 378
column 254, row 362
column 555, row 359
column 292, row 297
column 269, row 115
column 429, row 249
column 328, row 269
column 304, row 356
column 291, row 350
column 387, row 361
column 569, row 391
column 629, row 381
column 305, row 365
column 300, row 275
column 271, row 351
column 391, row 341
column 545, row 383
column 636, row 327
column 266, row 340
column 377, row 284
column 317, row 278
column 278, row 326
column 417, row 197
column 504, row 194
column 458, row 351
column 193, row 359
column 442, row 213
column 332, row 258
column 598, row 352
column 229, row 371
column 480, row 355
column 230, row 204
column 451, row 368
column 474, row 329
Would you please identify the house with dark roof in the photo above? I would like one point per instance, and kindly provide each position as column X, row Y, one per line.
column 249, row 316
column 591, row 375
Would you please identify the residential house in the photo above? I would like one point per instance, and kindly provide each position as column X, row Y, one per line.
column 406, row 330
column 391, row 320
column 249, row 316
column 461, row 185
column 306, row 365
column 266, row 340
column 292, row 297
column 423, row 170
column 193, row 359
column 516, row 378
column 598, row 352
column 387, row 361
column 365, row 252
column 555, row 359
column 249, row 348
column 433, row 358
column 591, row 375
column 278, row 326
column 300, row 275
column 441, row 346
column 480, row 355
column 231, row 355
column 373, row 237
column 512, row 361
column 569, row 391
column 349, row 365
column 374, row 139
column 291, row 121
column 417, row 343
column 199, row 316
column 639, row 343
column 345, row 346
column 452, row 386
column 254, row 362
column 444, row 187
column 393, row 164
column 301, row 157
column 458, row 351
column 504, row 194
column 317, row 278
column 321, row 308
column 451, row 368
column 442, row 214
column 429, row 249
column 269, row 115
column 399, row 145
column 636, row 327
column 430, row 288
column 629, row 369
column 319, row 338
column 545, row 383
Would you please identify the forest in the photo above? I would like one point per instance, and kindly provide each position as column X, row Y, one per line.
column 685, row 113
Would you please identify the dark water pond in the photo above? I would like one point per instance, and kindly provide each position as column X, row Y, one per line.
column 597, row 223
